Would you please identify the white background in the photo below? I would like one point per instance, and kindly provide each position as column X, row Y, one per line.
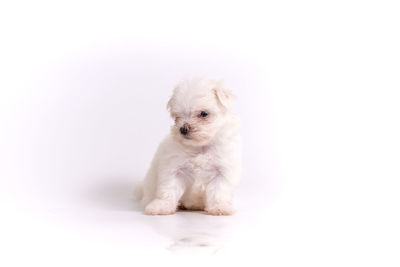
column 83, row 90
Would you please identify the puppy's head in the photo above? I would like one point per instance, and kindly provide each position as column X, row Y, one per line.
column 199, row 107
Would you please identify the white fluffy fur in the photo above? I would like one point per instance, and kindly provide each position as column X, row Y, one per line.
column 198, row 171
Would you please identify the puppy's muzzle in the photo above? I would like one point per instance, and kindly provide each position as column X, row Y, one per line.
column 185, row 129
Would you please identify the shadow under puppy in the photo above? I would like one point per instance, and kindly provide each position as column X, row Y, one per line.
column 198, row 165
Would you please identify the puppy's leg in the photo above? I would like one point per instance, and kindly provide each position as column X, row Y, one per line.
column 169, row 191
column 219, row 195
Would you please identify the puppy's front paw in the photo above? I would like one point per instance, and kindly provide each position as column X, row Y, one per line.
column 160, row 207
column 225, row 209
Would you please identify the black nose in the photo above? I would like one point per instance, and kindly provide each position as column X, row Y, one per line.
column 184, row 130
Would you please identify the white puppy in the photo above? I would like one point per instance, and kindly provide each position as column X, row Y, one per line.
column 198, row 165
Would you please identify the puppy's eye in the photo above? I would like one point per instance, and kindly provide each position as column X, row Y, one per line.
column 203, row 114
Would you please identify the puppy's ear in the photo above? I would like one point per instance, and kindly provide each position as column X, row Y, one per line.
column 171, row 100
column 169, row 104
column 224, row 96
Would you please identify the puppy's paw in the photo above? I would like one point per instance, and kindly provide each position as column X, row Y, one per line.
column 224, row 209
column 160, row 207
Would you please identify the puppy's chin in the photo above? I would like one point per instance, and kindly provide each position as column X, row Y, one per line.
column 193, row 140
